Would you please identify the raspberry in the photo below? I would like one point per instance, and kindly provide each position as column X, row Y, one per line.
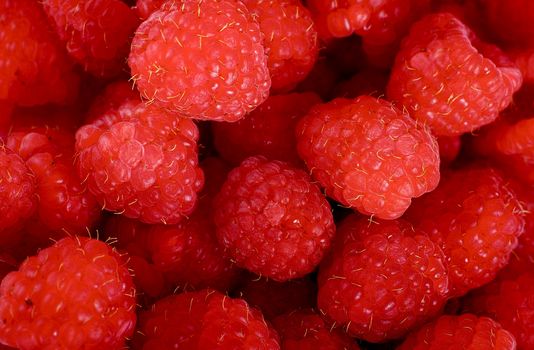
column 450, row 80
column 272, row 220
column 460, row 332
column 269, row 130
column 290, row 40
column 203, row 320
column 34, row 67
column 97, row 33
column 76, row 294
column 524, row 60
column 476, row 218
column 202, row 59
column 381, row 279
column 449, row 147
column 144, row 165
column 368, row 155
column 145, row 8
column 305, row 329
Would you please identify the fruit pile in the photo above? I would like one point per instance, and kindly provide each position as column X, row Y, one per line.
column 267, row 174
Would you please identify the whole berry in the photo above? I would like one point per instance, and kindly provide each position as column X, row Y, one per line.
column 450, row 80
column 368, row 155
column 76, row 294
column 465, row 331
column 202, row 59
column 272, row 220
column 476, row 218
column 205, row 319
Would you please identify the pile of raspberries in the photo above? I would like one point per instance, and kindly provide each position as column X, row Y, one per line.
column 267, row 174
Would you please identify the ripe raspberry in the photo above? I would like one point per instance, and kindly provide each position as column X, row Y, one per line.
column 305, row 329
column 34, row 67
column 269, row 130
column 448, row 79
column 272, row 219
column 449, row 147
column 77, row 294
column 203, row 320
column 97, row 33
column 476, row 218
column 510, row 21
column 466, row 332
column 381, row 279
column 144, row 165
column 221, row 72
column 368, row 155
column 290, row 40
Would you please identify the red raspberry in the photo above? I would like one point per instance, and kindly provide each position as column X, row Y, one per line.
column 305, row 329
column 77, row 294
column 450, row 80
column 466, row 332
column 272, row 219
column 145, row 8
column 449, row 147
column 368, row 155
column 202, row 59
column 144, row 165
column 33, row 65
column 97, row 33
column 381, row 279
column 290, row 40
column 203, row 320
column 476, row 218
column 510, row 20
column 269, row 130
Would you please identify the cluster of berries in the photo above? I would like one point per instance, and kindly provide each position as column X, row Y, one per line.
column 267, row 174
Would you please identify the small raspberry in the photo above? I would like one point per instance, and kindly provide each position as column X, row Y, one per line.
column 368, row 155
column 448, row 79
column 476, row 218
column 203, row 320
column 35, row 69
column 466, row 332
column 202, row 59
column 144, row 165
column 272, row 219
column 76, row 294
column 97, row 33
column 290, row 40
column 381, row 279
column 305, row 329
column 269, row 130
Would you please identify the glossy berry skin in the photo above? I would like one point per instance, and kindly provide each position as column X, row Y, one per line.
column 466, row 331
column 305, row 329
column 203, row 320
column 76, row 294
column 144, row 165
column 368, row 155
column 202, row 59
column 476, row 218
column 97, row 33
column 34, row 67
column 381, row 279
column 272, row 220
column 269, row 130
column 290, row 40
column 448, row 79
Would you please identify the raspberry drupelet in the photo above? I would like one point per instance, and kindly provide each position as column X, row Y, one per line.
column 368, row 155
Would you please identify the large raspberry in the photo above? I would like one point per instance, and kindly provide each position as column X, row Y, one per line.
column 368, row 155
column 475, row 216
column 97, row 33
column 272, row 219
column 381, row 279
column 34, row 68
column 466, row 332
column 144, row 165
column 77, row 294
column 203, row 320
column 269, row 130
column 448, row 79
column 203, row 59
